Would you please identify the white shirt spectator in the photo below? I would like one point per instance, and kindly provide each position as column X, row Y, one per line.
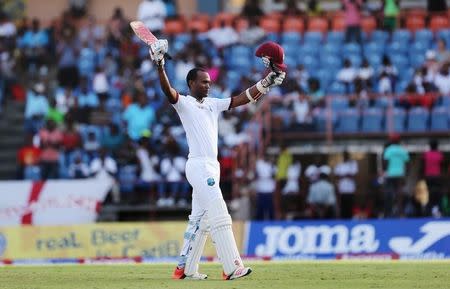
column 148, row 172
column 293, row 176
column 346, row 171
column 172, row 168
column 365, row 73
column 322, row 192
column 442, row 82
column 347, row 74
column 103, row 167
column 100, row 82
column 7, row 29
column 152, row 13
column 265, row 182
column 223, row 36
column 312, row 172
column 385, row 85
column 324, row 169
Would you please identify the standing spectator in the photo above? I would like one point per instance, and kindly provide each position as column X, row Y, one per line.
column 116, row 27
column 396, row 158
column 50, row 139
column 352, row 10
column 291, row 191
column 391, row 11
column 283, row 163
column 264, row 186
column 321, row 198
column 316, row 94
column 100, row 83
column 172, row 171
column 432, row 161
column 139, row 117
column 152, row 13
column 346, row 172
column 314, row 8
column 148, row 166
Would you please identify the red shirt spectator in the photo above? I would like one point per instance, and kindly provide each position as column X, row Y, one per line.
column 432, row 163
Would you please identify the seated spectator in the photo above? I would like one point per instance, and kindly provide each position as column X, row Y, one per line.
column 301, row 76
column 321, row 198
column 385, row 85
column 91, row 144
column 365, row 73
column 389, row 70
column 223, row 35
column 138, row 116
column 113, row 139
column 71, row 137
column 152, row 13
column 78, row 169
column 50, row 138
column 65, row 99
column 253, row 34
column 86, row 97
column 442, row 53
column 347, row 75
column 27, row 156
column 91, row 32
column 420, row 206
column 103, row 165
column 36, row 108
column 301, row 108
column 316, row 95
column 442, row 79
column 34, row 43
column 54, row 113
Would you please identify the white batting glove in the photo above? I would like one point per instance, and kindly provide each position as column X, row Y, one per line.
column 279, row 78
column 157, row 51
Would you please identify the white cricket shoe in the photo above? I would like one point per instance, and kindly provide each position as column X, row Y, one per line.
column 238, row 273
column 178, row 273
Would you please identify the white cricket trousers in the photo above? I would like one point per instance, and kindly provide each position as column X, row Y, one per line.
column 204, row 176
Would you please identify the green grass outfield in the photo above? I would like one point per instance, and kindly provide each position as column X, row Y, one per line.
column 273, row 275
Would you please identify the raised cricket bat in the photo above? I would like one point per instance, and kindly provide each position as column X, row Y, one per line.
column 143, row 33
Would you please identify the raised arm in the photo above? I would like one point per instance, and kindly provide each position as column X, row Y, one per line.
column 157, row 51
column 255, row 92
column 169, row 91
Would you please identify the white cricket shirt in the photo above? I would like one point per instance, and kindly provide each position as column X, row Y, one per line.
column 200, row 121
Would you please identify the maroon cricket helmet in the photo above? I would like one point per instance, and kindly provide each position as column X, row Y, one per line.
column 274, row 52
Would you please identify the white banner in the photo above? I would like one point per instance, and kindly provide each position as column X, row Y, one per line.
column 54, row 202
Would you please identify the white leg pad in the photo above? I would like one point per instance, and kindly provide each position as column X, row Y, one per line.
column 189, row 237
column 222, row 236
column 197, row 246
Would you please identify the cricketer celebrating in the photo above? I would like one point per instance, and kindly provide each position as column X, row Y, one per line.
column 199, row 116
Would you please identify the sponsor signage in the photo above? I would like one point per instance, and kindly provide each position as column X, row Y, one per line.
column 103, row 240
column 384, row 239
column 54, row 202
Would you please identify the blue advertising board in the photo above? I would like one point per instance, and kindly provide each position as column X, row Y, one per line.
column 389, row 238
